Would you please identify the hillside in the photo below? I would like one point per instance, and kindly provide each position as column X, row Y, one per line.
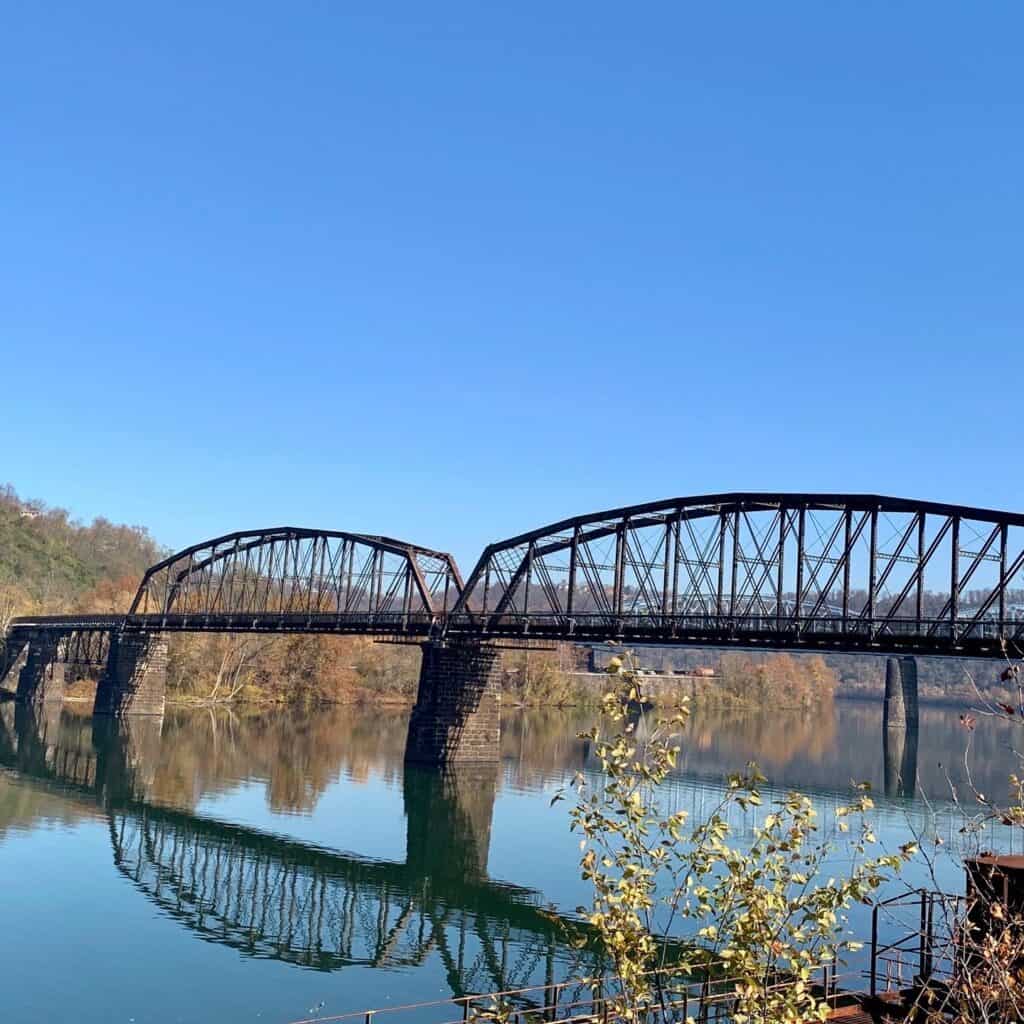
column 50, row 562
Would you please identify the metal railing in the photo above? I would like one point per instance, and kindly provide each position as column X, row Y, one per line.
column 927, row 923
column 788, row 625
column 707, row 994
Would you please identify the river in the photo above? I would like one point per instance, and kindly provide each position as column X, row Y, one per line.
column 269, row 866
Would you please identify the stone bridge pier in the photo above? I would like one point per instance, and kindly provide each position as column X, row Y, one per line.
column 41, row 680
column 134, row 681
column 457, row 715
column 900, row 727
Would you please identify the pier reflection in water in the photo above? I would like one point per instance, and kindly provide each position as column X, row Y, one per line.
column 297, row 840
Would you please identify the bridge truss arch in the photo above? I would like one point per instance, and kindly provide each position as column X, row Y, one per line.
column 315, row 579
column 838, row 571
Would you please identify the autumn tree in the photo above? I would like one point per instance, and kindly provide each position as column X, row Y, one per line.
column 760, row 913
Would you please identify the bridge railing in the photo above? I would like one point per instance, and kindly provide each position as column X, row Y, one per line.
column 311, row 622
column 985, row 636
column 704, row 992
column 365, row 621
column 656, row 626
column 927, row 927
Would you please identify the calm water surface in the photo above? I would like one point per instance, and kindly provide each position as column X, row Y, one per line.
column 268, row 867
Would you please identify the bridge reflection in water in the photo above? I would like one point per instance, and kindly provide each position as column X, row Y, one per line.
column 279, row 898
column 288, row 900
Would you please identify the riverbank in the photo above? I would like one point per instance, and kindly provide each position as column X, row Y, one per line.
column 581, row 690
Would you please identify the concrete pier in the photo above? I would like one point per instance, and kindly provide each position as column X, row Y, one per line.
column 458, row 705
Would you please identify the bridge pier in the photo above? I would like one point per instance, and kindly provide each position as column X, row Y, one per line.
column 41, row 680
column 900, row 727
column 900, row 709
column 457, row 716
column 135, row 679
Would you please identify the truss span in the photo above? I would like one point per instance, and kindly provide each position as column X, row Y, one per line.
column 289, row 574
column 835, row 571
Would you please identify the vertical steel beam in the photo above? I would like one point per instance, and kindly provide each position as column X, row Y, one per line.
column 570, row 601
column 666, row 578
column 315, row 548
column 781, row 569
column 324, row 548
column 1003, row 530
column 721, row 562
column 487, row 585
column 954, row 578
column 296, row 568
column 735, row 559
column 348, row 572
column 620, row 557
column 203, row 585
column 919, row 602
column 284, row 574
column 872, row 568
column 372, row 581
column 407, row 596
column 801, row 538
column 338, row 575
column 380, row 578
column 676, row 556
column 266, row 572
column 847, row 539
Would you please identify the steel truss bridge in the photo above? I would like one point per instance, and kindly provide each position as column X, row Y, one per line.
column 800, row 571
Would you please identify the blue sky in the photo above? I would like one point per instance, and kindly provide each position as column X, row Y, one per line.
column 450, row 272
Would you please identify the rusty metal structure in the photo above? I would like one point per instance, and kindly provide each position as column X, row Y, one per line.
column 760, row 570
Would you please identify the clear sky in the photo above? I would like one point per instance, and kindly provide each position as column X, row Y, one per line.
column 450, row 271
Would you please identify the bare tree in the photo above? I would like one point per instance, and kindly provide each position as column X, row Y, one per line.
column 232, row 672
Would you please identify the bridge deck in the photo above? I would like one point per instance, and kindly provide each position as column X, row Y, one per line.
column 854, row 635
